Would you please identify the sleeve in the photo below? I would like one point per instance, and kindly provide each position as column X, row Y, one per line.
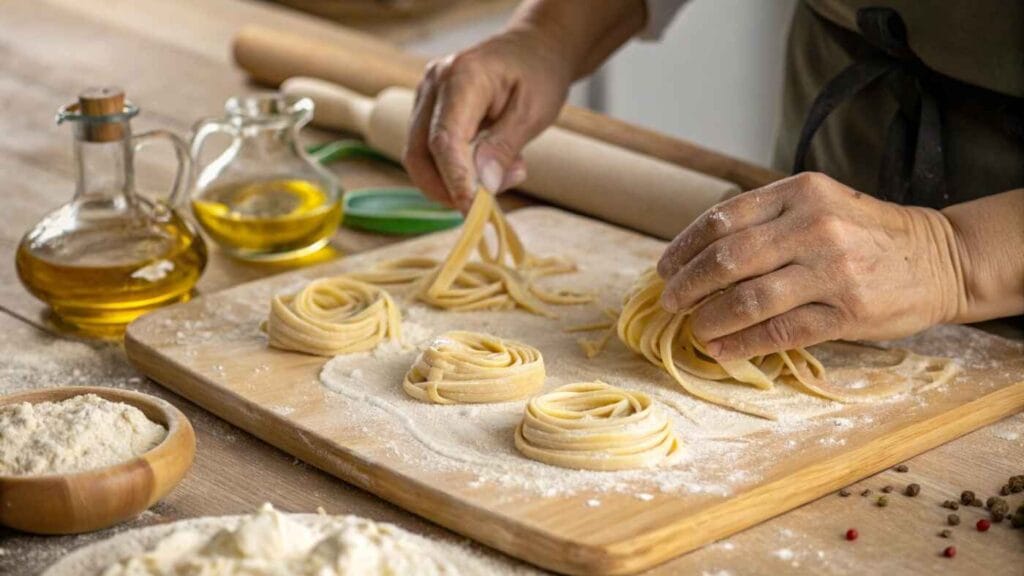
column 659, row 15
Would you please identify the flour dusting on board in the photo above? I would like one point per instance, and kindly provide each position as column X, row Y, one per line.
column 720, row 447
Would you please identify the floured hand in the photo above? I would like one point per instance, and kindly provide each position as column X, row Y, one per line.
column 476, row 109
column 807, row 259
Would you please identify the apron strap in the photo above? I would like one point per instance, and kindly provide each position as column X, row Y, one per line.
column 913, row 165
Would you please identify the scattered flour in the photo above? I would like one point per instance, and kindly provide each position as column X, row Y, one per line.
column 282, row 410
column 783, row 554
column 84, row 432
column 1010, row 429
column 269, row 542
column 722, row 451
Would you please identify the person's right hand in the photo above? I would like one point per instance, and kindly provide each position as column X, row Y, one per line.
column 476, row 109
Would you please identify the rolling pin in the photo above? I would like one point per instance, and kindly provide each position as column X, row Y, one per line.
column 564, row 168
column 368, row 65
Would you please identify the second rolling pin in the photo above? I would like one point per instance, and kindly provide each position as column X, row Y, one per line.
column 565, row 168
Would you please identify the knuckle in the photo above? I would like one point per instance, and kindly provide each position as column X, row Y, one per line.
column 720, row 261
column 432, row 69
column 439, row 141
column 746, row 302
column 454, row 174
column 500, row 146
column 829, row 227
column 466, row 62
column 811, row 180
column 717, row 222
column 780, row 332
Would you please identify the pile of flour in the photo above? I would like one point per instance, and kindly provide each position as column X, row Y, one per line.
column 81, row 433
column 270, row 542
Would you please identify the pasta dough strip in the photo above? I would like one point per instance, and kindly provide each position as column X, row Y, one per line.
column 331, row 316
column 468, row 367
column 666, row 340
column 595, row 426
column 501, row 280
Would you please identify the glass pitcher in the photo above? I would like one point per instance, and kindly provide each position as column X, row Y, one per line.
column 263, row 198
column 111, row 254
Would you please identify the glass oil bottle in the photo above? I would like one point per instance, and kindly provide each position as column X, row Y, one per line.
column 263, row 198
column 111, row 254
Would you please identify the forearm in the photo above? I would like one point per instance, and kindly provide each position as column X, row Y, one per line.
column 988, row 241
column 583, row 31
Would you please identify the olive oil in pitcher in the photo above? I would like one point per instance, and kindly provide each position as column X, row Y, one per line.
column 263, row 198
column 268, row 217
column 110, row 254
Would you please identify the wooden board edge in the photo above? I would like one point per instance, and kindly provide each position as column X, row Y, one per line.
column 750, row 508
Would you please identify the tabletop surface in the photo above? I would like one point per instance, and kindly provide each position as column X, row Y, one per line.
column 172, row 59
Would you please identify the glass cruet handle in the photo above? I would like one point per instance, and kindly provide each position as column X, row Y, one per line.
column 203, row 129
column 183, row 176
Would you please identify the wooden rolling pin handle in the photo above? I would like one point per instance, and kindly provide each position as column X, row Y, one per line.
column 565, row 168
column 336, row 107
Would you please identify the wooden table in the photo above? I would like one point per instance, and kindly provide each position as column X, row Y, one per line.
column 172, row 59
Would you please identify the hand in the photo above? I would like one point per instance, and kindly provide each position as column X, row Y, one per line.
column 476, row 109
column 807, row 259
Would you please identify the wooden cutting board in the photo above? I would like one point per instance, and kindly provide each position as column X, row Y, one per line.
column 456, row 465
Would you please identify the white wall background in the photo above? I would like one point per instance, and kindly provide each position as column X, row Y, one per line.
column 714, row 78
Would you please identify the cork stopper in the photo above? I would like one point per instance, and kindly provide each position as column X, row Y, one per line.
column 98, row 102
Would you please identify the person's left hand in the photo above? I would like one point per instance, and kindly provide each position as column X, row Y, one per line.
column 807, row 259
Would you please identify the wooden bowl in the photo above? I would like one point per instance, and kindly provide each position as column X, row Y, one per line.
column 95, row 499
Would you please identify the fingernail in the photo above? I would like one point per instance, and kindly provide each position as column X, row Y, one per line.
column 491, row 175
column 713, row 348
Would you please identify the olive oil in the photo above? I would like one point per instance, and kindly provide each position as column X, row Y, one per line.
column 100, row 278
column 268, row 219
column 110, row 254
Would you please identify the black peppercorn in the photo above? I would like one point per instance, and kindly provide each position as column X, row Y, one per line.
column 1016, row 484
column 1018, row 520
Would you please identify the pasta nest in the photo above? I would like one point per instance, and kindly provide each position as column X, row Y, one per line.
column 596, row 426
column 331, row 316
column 469, row 367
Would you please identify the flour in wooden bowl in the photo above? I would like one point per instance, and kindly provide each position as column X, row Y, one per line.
column 81, row 433
column 269, row 542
